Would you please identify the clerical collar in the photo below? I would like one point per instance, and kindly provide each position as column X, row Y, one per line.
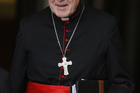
column 65, row 19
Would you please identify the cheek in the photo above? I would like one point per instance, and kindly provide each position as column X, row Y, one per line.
column 71, row 1
column 51, row 1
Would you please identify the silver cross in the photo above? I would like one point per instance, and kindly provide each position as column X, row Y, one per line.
column 65, row 64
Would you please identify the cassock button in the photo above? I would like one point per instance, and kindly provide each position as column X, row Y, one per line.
column 68, row 30
column 62, row 68
column 67, row 49
column 66, row 40
column 62, row 76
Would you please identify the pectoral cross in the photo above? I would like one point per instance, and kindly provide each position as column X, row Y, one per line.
column 65, row 64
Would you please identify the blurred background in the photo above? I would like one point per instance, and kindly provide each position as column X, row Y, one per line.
column 127, row 13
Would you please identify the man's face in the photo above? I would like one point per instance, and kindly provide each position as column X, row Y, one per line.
column 63, row 8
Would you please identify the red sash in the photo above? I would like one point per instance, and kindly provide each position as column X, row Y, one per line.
column 33, row 87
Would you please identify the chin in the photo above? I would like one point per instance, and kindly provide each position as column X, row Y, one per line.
column 62, row 14
column 62, row 11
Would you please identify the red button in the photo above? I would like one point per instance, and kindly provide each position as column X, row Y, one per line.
column 63, row 76
column 67, row 49
column 68, row 30
column 66, row 40
column 62, row 68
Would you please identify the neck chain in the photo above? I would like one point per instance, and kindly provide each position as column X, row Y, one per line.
column 71, row 35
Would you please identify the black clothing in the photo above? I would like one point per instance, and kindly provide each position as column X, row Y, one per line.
column 4, row 83
column 95, row 50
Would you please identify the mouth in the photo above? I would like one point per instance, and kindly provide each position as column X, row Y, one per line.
column 61, row 5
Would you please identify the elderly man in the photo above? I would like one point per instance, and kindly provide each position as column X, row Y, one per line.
column 65, row 43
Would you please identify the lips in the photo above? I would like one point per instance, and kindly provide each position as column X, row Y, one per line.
column 61, row 5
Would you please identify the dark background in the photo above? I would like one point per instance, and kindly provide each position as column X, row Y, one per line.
column 127, row 13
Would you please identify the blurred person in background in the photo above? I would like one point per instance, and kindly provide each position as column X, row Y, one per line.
column 65, row 43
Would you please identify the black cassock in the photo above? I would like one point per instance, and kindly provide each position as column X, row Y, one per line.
column 96, row 51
